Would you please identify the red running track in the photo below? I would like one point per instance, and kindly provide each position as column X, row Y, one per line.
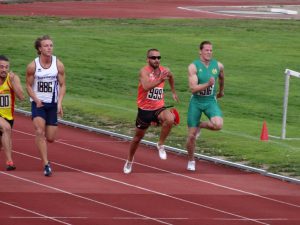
column 89, row 187
column 137, row 8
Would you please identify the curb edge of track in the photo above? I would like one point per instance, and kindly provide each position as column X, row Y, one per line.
column 177, row 150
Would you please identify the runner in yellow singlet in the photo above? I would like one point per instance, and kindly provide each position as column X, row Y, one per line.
column 10, row 86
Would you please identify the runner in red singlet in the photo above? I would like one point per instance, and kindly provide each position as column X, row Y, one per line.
column 151, row 105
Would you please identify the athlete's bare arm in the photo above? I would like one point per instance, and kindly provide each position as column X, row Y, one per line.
column 16, row 85
column 62, row 86
column 147, row 84
column 221, row 81
column 29, row 82
column 172, row 85
column 193, row 80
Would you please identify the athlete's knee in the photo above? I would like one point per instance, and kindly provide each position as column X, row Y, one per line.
column 50, row 136
column 216, row 123
column 167, row 118
column 137, row 137
column 40, row 133
column 217, row 126
column 168, row 123
column 50, row 139
column 136, row 140
column 6, row 129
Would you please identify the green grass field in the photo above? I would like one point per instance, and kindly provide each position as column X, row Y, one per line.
column 103, row 57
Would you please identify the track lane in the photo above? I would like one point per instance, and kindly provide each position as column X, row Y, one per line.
column 157, row 184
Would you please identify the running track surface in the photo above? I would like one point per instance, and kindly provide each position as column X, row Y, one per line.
column 133, row 8
column 88, row 186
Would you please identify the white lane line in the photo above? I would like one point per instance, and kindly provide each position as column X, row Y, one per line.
column 220, row 219
column 56, row 217
column 146, row 190
column 161, row 218
column 81, row 197
column 114, row 218
column 176, row 174
column 204, row 11
column 263, row 219
column 91, row 141
column 226, row 14
column 35, row 213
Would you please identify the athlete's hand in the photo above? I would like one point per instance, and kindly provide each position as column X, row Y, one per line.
column 175, row 97
column 12, row 76
column 220, row 94
column 39, row 103
column 60, row 111
column 165, row 75
column 211, row 81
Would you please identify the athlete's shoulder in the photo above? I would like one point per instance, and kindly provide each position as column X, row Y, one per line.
column 33, row 62
column 213, row 60
column 147, row 68
column 163, row 67
column 31, row 67
column 220, row 65
column 59, row 64
column 196, row 62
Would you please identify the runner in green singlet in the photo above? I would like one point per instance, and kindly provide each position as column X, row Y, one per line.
column 203, row 75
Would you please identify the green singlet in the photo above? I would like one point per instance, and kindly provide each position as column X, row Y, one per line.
column 204, row 101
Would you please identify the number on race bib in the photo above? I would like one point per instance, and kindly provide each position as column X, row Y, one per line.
column 207, row 92
column 44, row 86
column 155, row 94
column 4, row 101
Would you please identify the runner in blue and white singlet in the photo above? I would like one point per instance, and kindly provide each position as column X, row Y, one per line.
column 45, row 83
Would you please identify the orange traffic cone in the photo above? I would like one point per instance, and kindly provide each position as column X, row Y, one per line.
column 264, row 136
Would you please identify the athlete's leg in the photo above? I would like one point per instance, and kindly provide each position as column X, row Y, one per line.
column 194, row 116
column 215, row 123
column 167, row 121
column 139, row 134
column 51, row 133
column 5, row 128
column 215, row 114
column 40, row 140
column 51, row 122
column 142, row 123
column 191, row 142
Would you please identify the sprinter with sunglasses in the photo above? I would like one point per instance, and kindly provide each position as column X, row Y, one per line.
column 151, row 105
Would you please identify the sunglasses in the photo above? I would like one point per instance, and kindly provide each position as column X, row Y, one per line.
column 154, row 57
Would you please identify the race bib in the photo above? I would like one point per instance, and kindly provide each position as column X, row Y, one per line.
column 5, row 101
column 207, row 92
column 44, row 87
column 155, row 93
